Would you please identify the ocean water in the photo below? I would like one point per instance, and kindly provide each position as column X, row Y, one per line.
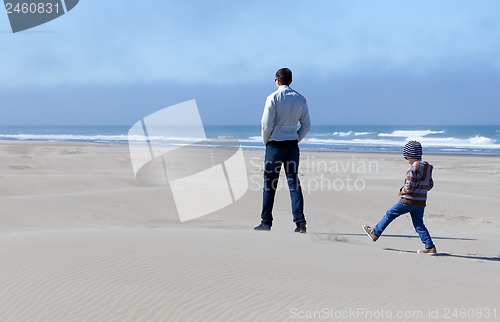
column 366, row 138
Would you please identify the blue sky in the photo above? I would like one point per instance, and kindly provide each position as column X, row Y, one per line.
column 356, row 61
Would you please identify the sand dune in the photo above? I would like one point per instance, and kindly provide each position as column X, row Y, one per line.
column 195, row 274
column 82, row 240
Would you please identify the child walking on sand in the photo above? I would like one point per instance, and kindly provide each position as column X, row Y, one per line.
column 413, row 197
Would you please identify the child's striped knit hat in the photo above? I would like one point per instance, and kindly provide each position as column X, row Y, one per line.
column 413, row 150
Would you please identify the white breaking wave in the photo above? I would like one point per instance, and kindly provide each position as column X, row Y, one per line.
column 347, row 139
column 342, row 133
column 252, row 139
column 95, row 138
column 473, row 142
column 63, row 137
column 476, row 142
column 351, row 133
column 479, row 142
column 408, row 134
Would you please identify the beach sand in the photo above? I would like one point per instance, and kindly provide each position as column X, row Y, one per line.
column 82, row 240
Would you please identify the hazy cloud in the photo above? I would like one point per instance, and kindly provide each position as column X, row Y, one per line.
column 108, row 42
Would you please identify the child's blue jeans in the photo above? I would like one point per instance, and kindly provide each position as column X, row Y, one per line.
column 417, row 217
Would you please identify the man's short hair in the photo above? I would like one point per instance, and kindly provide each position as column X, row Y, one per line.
column 284, row 75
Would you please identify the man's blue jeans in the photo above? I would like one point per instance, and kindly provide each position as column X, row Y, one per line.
column 417, row 217
column 275, row 158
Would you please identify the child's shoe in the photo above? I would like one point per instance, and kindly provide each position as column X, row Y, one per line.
column 431, row 250
column 369, row 231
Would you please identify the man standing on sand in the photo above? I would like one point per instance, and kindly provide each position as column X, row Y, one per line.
column 284, row 109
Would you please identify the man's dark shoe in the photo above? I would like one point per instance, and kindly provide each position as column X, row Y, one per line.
column 301, row 228
column 262, row 227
